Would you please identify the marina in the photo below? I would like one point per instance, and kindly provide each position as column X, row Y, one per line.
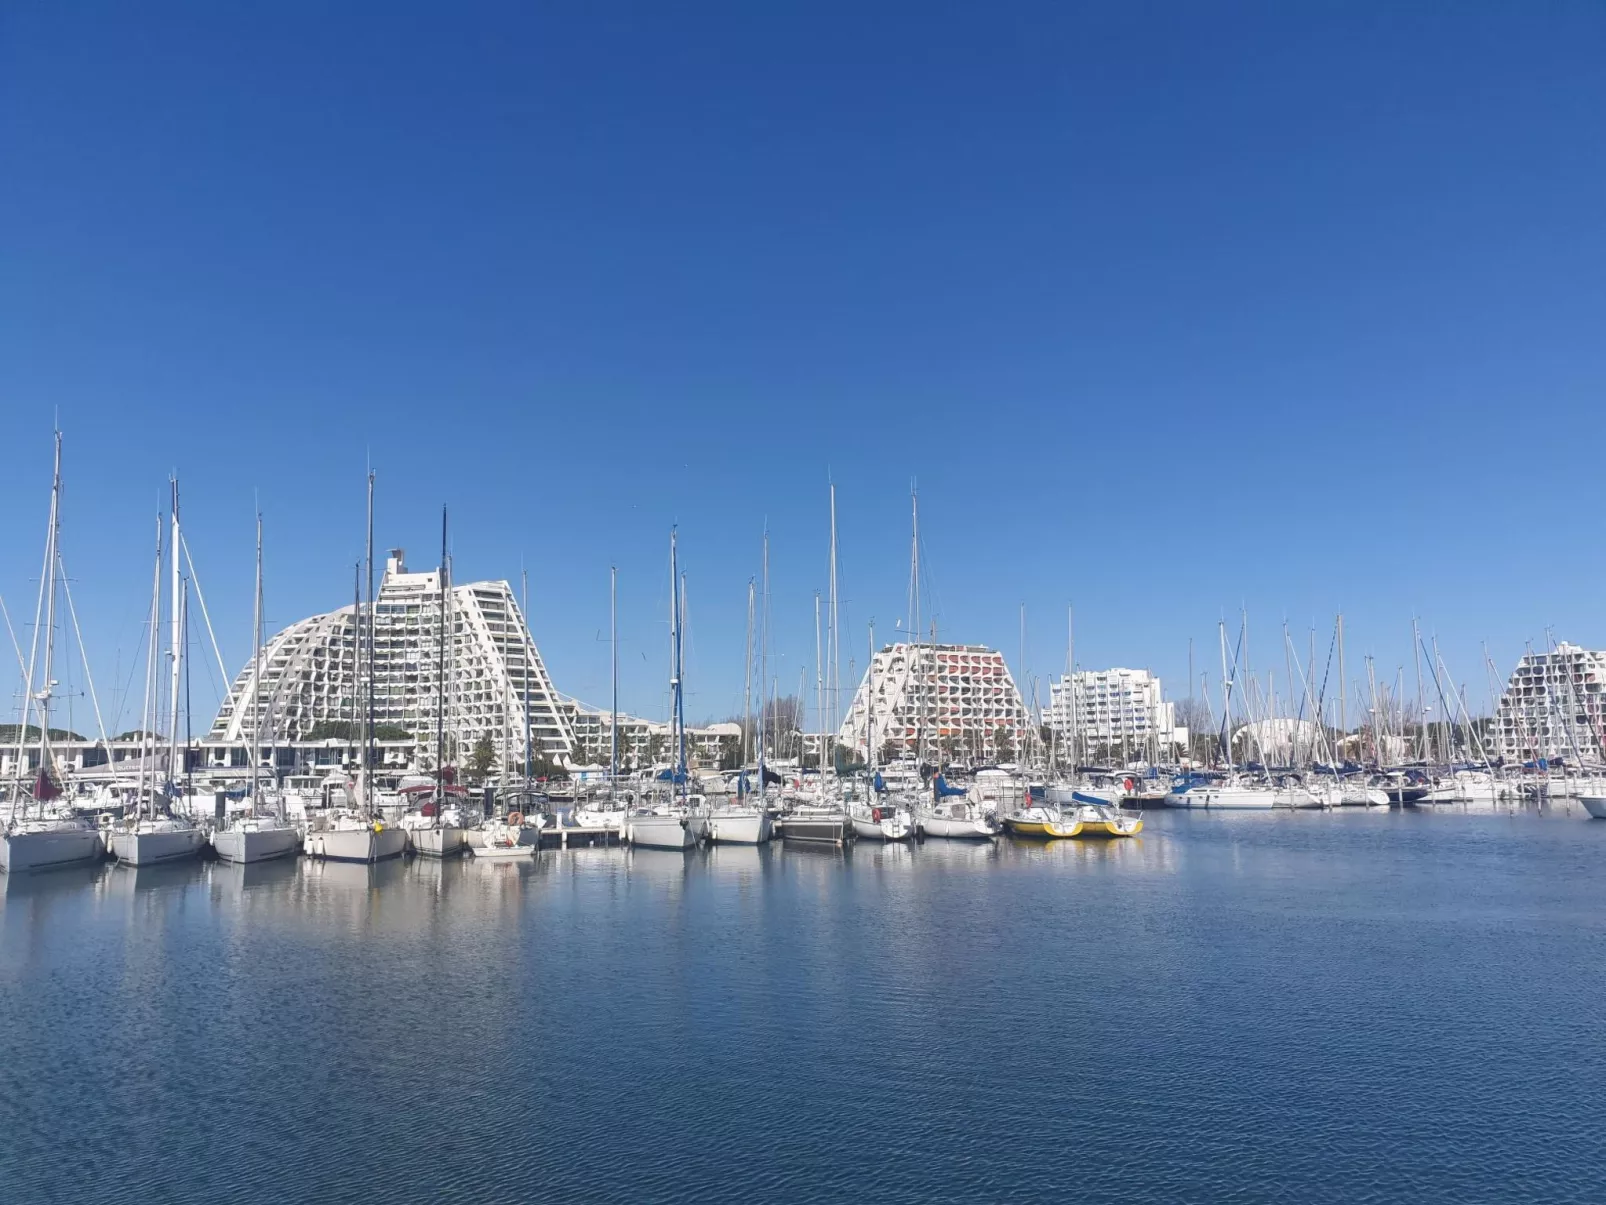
column 822, row 960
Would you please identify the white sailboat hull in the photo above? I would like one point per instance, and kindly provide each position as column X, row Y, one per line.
column 255, row 845
column 501, row 852
column 660, row 832
column 152, row 848
column 440, row 842
column 1595, row 805
column 955, row 828
column 25, row 851
column 356, row 844
column 890, row 829
column 739, row 828
column 1244, row 799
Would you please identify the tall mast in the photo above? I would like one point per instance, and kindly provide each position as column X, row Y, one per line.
column 176, row 647
column 1226, row 694
column 675, row 733
column 256, row 674
column 184, row 624
column 356, row 652
column 529, row 664
column 1421, row 713
column 1021, row 753
column 765, row 711
column 819, row 695
column 680, row 657
column 916, row 666
column 52, row 560
column 1343, row 692
column 833, row 647
column 367, row 630
column 151, row 707
column 1070, row 680
column 613, row 648
column 440, row 680
column 747, row 687
column 869, row 708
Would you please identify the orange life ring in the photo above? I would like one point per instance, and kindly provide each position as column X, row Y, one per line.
column 1128, row 783
column 515, row 818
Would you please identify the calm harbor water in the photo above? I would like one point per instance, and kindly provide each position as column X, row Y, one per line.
column 1309, row 1007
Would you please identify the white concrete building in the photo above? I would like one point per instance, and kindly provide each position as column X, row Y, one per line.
column 645, row 743
column 956, row 701
column 310, row 673
column 1114, row 710
column 1553, row 706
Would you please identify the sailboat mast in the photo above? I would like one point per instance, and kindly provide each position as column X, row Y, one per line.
column 869, row 708
column 675, row 731
column 175, row 652
column 613, row 670
column 819, row 695
column 1343, row 691
column 529, row 664
column 916, row 668
column 366, row 626
column 833, row 647
column 766, row 712
column 1021, row 753
column 150, row 709
column 1070, row 681
column 256, row 674
column 747, row 684
column 440, row 682
column 1421, row 713
column 684, row 767
column 52, row 562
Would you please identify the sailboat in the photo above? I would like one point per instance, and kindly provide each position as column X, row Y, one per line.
column 825, row 819
column 257, row 835
column 40, row 833
column 154, row 834
column 882, row 816
column 435, row 829
column 674, row 822
column 950, row 812
column 356, row 833
column 748, row 820
column 945, row 811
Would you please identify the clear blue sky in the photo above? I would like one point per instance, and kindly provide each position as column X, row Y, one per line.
column 1169, row 307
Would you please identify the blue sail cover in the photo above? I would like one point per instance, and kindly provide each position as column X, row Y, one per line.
column 940, row 788
column 1078, row 797
column 880, row 784
column 675, row 776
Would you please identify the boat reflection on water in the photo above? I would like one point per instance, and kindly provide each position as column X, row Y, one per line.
column 351, row 876
column 1128, row 851
column 941, row 853
column 886, row 856
column 125, row 879
column 42, row 883
column 231, row 879
column 666, row 865
column 739, row 862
